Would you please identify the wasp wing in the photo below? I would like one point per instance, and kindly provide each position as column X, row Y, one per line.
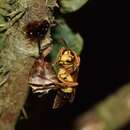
column 63, row 98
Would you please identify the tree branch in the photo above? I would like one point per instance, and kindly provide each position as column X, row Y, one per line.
column 110, row 114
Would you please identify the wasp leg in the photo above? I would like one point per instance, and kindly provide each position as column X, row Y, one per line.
column 63, row 85
column 13, row 17
column 24, row 113
column 4, row 74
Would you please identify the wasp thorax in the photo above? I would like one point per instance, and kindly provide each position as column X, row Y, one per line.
column 68, row 59
column 37, row 29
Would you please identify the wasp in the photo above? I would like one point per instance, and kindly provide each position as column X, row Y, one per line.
column 43, row 78
column 68, row 62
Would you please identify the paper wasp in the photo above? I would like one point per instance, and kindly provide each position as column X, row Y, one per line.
column 68, row 62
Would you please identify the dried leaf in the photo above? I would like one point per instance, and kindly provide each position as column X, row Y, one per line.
column 42, row 77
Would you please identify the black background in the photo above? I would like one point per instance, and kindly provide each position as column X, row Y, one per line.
column 105, row 64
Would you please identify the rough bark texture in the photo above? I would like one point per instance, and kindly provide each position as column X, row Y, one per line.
column 110, row 114
column 17, row 57
column 13, row 94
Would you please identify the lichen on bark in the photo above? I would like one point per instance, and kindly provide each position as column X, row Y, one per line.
column 16, row 55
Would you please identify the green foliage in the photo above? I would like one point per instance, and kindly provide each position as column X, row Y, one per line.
column 62, row 35
column 71, row 5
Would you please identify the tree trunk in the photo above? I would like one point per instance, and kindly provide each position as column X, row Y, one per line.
column 16, row 58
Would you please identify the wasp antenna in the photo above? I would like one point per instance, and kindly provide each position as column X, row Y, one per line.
column 64, row 42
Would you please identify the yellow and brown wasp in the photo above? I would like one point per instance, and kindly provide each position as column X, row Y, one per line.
column 68, row 62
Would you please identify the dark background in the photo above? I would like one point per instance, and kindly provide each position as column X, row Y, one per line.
column 105, row 64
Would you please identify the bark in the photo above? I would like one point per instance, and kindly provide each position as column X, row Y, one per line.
column 17, row 57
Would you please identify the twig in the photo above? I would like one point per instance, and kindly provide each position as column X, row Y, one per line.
column 110, row 114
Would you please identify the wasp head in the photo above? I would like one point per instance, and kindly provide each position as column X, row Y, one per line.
column 68, row 59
